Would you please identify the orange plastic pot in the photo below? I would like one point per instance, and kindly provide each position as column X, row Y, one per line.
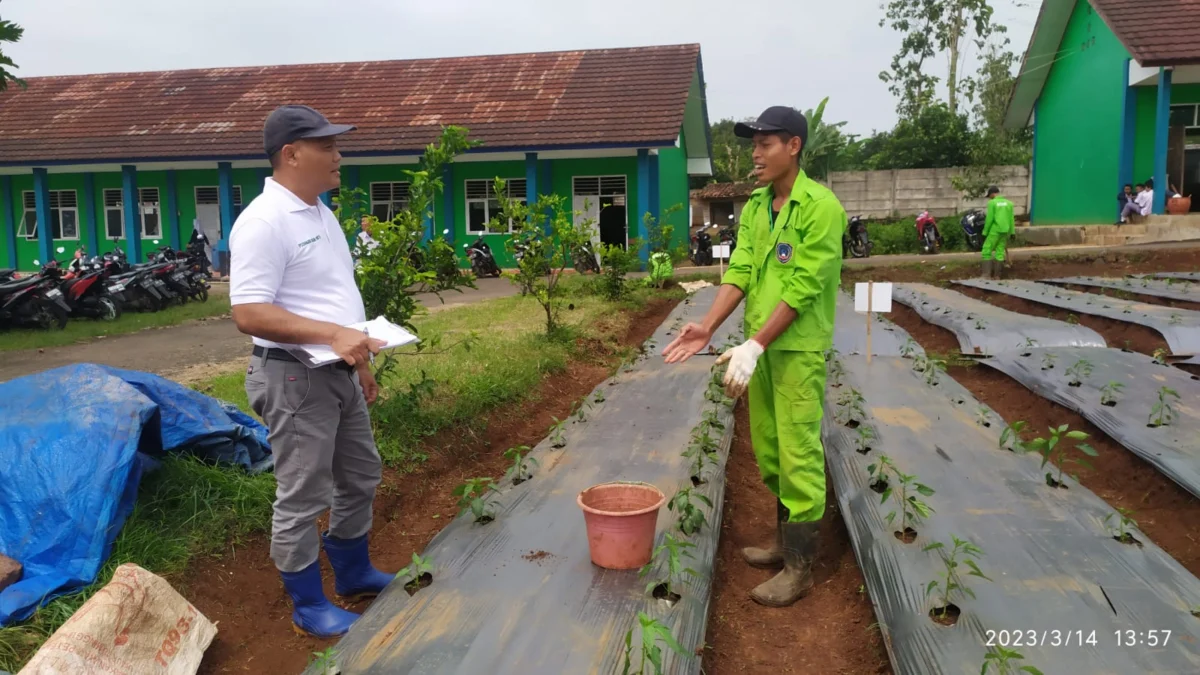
column 621, row 519
column 1178, row 206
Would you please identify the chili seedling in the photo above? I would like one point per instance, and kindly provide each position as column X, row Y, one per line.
column 1030, row 343
column 1048, row 360
column 933, row 370
column 1118, row 525
column 701, row 451
column 1072, row 319
column 908, row 348
column 326, row 661
column 670, row 555
column 599, row 397
column 652, row 631
column 983, row 416
column 1110, row 392
column 1012, row 432
column 519, row 470
column 712, row 419
column 1175, row 319
column 419, row 574
column 1079, row 372
column 1160, row 356
column 980, row 324
column 473, row 496
column 851, row 410
column 863, row 442
column 690, row 518
column 908, row 490
column 557, row 438
column 1000, row 661
column 1054, row 448
column 950, row 580
column 836, row 372
column 1163, row 413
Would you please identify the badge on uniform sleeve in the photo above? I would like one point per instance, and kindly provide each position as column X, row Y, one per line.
column 783, row 252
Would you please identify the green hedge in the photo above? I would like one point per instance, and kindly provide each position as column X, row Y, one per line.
column 900, row 236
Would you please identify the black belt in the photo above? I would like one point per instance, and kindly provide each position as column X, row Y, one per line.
column 283, row 355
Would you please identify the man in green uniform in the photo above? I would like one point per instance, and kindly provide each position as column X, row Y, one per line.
column 787, row 266
column 997, row 228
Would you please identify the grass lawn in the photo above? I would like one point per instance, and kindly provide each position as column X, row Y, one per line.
column 187, row 508
column 78, row 330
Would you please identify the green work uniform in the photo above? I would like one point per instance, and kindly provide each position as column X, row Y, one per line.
column 997, row 228
column 796, row 258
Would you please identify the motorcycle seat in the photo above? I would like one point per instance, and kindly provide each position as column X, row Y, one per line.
column 7, row 272
column 19, row 284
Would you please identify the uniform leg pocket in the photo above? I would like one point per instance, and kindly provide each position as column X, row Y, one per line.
column 800, row 386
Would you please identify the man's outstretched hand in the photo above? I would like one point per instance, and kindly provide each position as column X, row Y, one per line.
column 691, row 340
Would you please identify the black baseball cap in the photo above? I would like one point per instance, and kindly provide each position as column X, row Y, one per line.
column 774, row 119
column 290, row 123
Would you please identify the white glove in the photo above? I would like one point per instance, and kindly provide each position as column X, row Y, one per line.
column 742, row 360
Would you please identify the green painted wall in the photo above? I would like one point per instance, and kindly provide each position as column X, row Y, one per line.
column 1147, row 104
column 673, row 186
column 1079, row 126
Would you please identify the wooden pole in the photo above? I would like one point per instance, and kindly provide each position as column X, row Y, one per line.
column 870, row 293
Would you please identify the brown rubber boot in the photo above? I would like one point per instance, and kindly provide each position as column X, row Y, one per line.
column 770, row 557
column 800, row 541
column 985, row 270
column 998, row 270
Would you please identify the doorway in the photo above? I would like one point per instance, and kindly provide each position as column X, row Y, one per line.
column 208, row 216
column 603, row 200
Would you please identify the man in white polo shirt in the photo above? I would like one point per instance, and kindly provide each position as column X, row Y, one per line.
column 292, row 283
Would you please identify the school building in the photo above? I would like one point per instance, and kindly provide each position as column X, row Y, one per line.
column 131, row 159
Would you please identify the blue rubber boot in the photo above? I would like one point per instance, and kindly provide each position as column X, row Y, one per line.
column 312, row 613
column 356, row 578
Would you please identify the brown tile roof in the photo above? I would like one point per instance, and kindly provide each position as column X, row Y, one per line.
column 545, row 100
column 1156, row 32
column 725, row 191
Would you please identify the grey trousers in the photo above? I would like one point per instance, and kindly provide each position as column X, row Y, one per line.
column 325, row 455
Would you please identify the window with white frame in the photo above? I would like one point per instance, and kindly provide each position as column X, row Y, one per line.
column 114, row 214
column 482, row 204
column 388, row 198
column 212, row 195
column 64, row 215
column 150, row 213
column 1187, row 116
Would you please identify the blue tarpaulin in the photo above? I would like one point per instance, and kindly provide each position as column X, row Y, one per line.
column 74, row 442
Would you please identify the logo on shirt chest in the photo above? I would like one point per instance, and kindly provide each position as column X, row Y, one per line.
column 306, row 242
column 783, row 253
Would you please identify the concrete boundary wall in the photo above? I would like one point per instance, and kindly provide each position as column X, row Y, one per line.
column 906, row 192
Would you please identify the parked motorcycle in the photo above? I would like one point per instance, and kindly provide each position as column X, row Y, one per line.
column 84, row 289
column 927, row 233
column 483, row 263
column 702, row 253
column 585, row 258
column 728, row 236
column 972, row 226
column 855, row 241
column 33, row 301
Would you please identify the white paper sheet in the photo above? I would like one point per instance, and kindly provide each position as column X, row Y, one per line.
column 315, row 356
column 881, row 297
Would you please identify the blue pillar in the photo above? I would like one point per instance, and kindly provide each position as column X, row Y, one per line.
column 89, row 224
column 130, row 200
column 326, row 199
column 655, row 207
column 1128, row 131
column 41, row 192
column 263, row 175
column 1162, row 124
column 448, row 203
column 174, row 236
column 1033, row 191
column 546, row 182
column 643, row 201
column 225, row 195
column 531, row 184
column 7, row 220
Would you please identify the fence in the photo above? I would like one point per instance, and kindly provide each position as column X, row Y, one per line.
column 902, row 192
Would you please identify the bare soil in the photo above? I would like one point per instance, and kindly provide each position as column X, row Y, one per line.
column 831, row 631
column 241, row 590
column 1163, row 510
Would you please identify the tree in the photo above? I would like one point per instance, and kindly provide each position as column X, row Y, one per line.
column 732, row 156
column 935, row 137
column 9, row 32
column 825, row 142
column 992, row 145
column 930, row 28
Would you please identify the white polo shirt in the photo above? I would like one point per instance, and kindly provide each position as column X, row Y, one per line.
column 289, row 254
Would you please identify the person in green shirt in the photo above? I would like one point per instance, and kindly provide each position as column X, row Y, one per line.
column 997, row 228
column 787, row 267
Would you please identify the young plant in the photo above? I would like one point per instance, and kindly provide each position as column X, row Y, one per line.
column 652, row 631
column 1163, row 413
column 1055, row 449
column 557, row 438
column 418, row 573
column 1048, row 360
column 326, row 662
column 581, row 410
column 669, row 556
column 851, row 409
column 836, row 372
column 908, row 348
column 473, row 496
column 701, row 452
column 983, row 416
column 1079, row 372
column 980, row 324
column 933, row 369
column 712, row 420
column 908, row 491
column 1010, row 438
column 1160, row 356
column 1175, row 319
column 1118, row 524
column 1072, row 320
column 950, row 581
column 599, row 397
column 863, row 441
column 1110, row 392
column 999, row 660
column 690, row 518
column 519, row 470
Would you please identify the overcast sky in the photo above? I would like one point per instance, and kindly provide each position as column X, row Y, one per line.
column 795, row 52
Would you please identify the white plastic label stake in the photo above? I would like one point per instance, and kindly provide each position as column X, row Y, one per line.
column 873, row 297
